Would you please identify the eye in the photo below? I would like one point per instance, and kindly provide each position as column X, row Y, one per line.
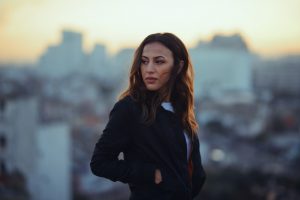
column 160, row 62
column 144, row 61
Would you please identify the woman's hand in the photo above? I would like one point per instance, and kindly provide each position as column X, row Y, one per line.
column 157, row 176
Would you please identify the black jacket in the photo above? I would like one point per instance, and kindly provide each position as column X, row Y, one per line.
column 146, row 148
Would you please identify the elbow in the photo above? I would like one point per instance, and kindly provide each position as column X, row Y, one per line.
column 102, row 169
column 95, row 168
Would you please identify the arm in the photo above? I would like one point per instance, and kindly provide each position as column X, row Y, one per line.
column 199, row 175
column 115, row 138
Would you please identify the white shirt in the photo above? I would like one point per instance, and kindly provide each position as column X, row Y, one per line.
column 168, row 106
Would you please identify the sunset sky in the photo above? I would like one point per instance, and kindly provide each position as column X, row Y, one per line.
column 27, row 27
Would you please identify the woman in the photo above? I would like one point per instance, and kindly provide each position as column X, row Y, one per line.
column 154, row 125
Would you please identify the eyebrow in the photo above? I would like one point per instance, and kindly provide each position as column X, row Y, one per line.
column 154, row 57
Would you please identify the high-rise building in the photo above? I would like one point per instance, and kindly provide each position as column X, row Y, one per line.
column 18, row 124
column 223, row 69
column 41, row 154
column 68, row 56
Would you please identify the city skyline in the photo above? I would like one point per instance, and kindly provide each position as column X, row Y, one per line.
column 28, row 28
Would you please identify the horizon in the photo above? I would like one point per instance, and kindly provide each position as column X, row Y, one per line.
column 113, row 52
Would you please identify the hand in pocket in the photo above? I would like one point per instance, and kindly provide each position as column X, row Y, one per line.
column 157, row 176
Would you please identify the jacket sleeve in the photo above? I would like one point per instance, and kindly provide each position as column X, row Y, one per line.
column 199, row 175
column 115, row 138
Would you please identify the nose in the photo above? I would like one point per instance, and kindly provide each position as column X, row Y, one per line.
column 149, row 68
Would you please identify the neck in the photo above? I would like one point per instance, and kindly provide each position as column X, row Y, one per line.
column 167, row 98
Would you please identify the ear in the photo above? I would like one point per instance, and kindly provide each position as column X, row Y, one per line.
column 181, row 63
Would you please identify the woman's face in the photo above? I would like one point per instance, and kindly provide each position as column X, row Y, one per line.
column 157, row 63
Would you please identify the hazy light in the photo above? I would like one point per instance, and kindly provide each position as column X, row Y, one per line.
column 217, row 155
column 27, row 27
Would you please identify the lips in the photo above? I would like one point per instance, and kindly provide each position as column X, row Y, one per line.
column 150, row 79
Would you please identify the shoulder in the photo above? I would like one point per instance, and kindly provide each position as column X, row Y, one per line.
column 126, row 106
column 125, row 102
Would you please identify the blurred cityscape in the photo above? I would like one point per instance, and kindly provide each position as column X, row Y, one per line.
column 52, row 113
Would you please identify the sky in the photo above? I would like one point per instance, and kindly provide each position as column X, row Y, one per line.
column 28, row 27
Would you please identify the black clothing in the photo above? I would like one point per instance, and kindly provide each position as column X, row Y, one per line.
column 160, row 145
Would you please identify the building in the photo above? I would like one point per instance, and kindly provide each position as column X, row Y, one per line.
column 98, row 62
column 53, row 169
column 18, row 124
column 278, row 76
column 66, row 57
column 39, row 154
column 223, row 69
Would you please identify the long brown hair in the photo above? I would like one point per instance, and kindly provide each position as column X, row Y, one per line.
column 179, row 87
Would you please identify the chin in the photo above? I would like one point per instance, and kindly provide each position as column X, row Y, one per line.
column 152, row 88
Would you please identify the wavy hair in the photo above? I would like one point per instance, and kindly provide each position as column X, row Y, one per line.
column 179, row 86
